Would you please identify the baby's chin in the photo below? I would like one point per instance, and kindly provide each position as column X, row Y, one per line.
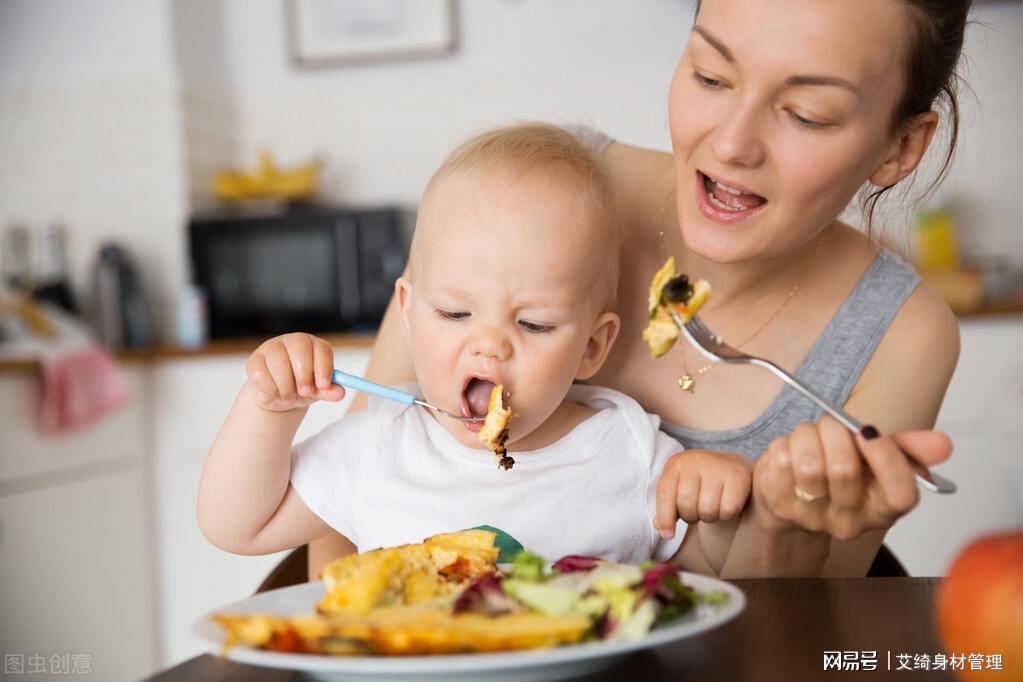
column 463, row 435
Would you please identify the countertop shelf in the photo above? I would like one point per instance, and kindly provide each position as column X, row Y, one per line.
column 993, row 308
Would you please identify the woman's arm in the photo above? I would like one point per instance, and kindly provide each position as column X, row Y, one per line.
column 390, row 363
column 901, row 389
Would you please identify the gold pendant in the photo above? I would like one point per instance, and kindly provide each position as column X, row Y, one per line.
column 687, row 383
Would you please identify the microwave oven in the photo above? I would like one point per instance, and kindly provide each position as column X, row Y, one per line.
column 314, row 269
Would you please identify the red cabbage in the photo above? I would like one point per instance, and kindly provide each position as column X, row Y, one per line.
column 575, row 562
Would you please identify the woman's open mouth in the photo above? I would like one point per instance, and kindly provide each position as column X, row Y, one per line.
column 476, row 400
column 725, row 203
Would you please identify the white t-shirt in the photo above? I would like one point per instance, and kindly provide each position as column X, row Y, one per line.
column 392, row 475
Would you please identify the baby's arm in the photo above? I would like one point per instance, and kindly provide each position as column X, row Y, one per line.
column 246, row 503
column 707, row 490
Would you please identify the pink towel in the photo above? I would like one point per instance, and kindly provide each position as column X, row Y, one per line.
column 80, row 385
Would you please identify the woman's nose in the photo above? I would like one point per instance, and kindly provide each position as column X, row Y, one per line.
column 490, row 342
column 737, row 139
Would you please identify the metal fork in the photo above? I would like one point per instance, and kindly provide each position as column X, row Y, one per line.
column 716, row 349
column 366, row 386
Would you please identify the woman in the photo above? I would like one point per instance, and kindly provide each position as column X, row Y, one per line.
column 780, row 111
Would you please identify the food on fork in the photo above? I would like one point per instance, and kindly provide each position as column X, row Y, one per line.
column 528, row 605
column 494, row 433
column 671, row 292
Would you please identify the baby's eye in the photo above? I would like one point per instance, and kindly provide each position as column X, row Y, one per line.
column 535, row 327
column 454, row 315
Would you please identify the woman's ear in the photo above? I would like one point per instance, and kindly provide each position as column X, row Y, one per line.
column 403, row 292
column 906, row 150
column 605, row 331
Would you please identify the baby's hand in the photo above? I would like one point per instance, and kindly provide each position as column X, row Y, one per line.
column 290, row 372
column 702, row 486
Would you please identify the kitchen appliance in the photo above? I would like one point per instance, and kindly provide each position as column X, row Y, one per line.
column 50, row 279
column 314, row 268
column 119, row 308
column 15, row 258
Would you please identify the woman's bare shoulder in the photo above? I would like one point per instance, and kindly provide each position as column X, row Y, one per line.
column 926, row 321
column 910, row 371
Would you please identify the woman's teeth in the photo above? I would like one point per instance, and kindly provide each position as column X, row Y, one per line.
column 720, row 204
column 739, row 205
column 730, row 190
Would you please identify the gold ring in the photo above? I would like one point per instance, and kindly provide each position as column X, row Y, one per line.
column 805, row 496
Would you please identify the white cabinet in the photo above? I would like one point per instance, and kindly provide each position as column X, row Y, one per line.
column 25, row 453
column 983, row 413
column 76, row 574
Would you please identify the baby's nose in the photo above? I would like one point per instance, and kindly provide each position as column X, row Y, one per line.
column 490, row 342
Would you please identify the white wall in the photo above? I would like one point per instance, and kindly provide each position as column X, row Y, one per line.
column 384, row 127
column 90, row 129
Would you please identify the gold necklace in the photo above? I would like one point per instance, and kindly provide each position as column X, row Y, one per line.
column 687, row 382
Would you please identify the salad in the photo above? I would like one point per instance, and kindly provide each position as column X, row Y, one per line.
column 622, row 601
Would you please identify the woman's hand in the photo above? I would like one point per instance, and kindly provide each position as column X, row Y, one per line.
column 702, row 486
column 822, row 478
column 290, row 372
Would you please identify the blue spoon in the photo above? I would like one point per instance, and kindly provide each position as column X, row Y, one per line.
column 366, row 386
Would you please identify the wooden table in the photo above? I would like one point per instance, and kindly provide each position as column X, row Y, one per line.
column 783, row 634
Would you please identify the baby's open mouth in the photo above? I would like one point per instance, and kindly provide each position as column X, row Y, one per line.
column 476, row 397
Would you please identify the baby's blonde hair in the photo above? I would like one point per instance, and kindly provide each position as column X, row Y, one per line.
column 528, row 147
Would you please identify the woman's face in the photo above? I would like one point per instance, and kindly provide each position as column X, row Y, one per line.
column 779, row 111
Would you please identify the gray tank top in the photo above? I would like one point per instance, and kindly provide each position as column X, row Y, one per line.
column 833, row 365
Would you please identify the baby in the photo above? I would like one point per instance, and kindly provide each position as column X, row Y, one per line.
column 511, row 281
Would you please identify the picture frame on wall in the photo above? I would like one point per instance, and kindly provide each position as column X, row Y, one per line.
column 323, row 33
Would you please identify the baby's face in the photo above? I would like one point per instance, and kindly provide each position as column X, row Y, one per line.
column 502, row 291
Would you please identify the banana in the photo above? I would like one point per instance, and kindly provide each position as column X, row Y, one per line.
column 267, row 180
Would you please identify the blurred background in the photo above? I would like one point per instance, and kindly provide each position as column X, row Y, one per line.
column 180, row 178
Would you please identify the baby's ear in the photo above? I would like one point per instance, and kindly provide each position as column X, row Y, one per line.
column 605, row 331
column 403, row 292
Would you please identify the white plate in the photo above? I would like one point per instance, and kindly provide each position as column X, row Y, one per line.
column 543, row 664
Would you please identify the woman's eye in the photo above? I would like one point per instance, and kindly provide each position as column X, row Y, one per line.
column 806, row 122
column 454, row 315
column 535, row 328
column 707, row 82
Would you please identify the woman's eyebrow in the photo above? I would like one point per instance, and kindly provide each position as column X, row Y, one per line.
column 807, row 79
column 812, row 79
column 714, row 42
